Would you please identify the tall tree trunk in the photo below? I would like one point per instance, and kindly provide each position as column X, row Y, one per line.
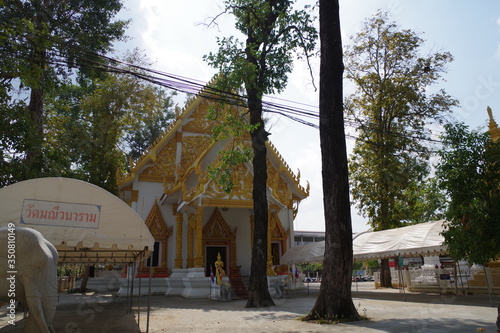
column 385, row 274
column 258, row 292
column 334, row 300
column 385, row 270
column 34, row 153
column 85, row 279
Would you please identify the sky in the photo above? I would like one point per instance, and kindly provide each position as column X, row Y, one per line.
column 175, row 36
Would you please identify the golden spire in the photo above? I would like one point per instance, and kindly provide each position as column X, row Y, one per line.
column 493, row 127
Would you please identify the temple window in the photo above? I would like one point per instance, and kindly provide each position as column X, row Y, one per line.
column 276, row 252
column 155, row 259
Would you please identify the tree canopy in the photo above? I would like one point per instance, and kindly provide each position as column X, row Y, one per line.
column 92, row 127
column 469, row 173
column 41, row 46
column 392, row 106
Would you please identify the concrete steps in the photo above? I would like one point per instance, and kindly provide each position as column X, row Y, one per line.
column 239, row 285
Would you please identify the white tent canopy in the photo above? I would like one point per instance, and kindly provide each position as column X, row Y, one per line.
column 423, row 239
column 311, row 252
column 83, row 221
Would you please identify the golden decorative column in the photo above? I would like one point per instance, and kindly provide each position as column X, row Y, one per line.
column 198, row 259
column 178, row 238
column 190, row 240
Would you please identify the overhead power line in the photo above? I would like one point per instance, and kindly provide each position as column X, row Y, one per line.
column 298, row 112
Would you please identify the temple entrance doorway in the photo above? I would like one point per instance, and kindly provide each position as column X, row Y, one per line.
column 211, row 258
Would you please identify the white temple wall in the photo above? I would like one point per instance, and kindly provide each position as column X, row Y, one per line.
column 240, row 218
column 170, row 221
column 148, row 194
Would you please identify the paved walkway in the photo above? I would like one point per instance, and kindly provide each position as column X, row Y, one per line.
column 387, row 309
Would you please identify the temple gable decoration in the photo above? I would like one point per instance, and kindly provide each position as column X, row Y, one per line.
column 161, row 232
column 179, row 159
column 217, row 229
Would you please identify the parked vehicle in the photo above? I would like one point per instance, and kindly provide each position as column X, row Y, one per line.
column 361, row 278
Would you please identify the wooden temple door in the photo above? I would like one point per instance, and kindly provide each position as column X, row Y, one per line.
column 218, row 237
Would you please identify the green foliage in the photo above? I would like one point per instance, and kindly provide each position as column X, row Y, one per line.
column 235, row 127
column 389, row 168
column 311, row 267
column 91, row 127
column 366, row 265
column 469, row 173
column 14, row 128
column 150, row 124
column 222, row 173
column 42, row 44
column 274, row 33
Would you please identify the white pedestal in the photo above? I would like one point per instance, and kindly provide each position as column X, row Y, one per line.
column 104, row 283
column 158, row 286
column 175, row 283
column 196, row 284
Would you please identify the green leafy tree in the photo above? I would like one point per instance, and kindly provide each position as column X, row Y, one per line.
column 91, row 127
column 13, row 134
column 311, row 268
column 41, row 43
column 260, row 64
column 392, row 108
column 334, row 302
column 151, row 125
column 469, row 173
column 234, row 126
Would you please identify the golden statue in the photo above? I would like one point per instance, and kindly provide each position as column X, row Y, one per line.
column 219, row 270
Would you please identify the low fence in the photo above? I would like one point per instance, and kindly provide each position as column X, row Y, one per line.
column 449, row 280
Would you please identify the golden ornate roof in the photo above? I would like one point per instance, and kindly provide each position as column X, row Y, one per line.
column 179, row 157
column 493, row 127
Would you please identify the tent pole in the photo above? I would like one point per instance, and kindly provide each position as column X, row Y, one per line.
column 401, row 283
column 438, row 278
column 461, row 279
column 139, row 294
column 487, row 274
column 128, row 287
column 149, row 298
column 59, row 281
column 132, row 287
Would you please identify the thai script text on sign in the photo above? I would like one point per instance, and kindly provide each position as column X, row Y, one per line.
column 61, row 214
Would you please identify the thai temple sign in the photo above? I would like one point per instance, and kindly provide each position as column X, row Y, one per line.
column 61, row 214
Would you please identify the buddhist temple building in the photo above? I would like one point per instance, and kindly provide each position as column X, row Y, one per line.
column 190, row 215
